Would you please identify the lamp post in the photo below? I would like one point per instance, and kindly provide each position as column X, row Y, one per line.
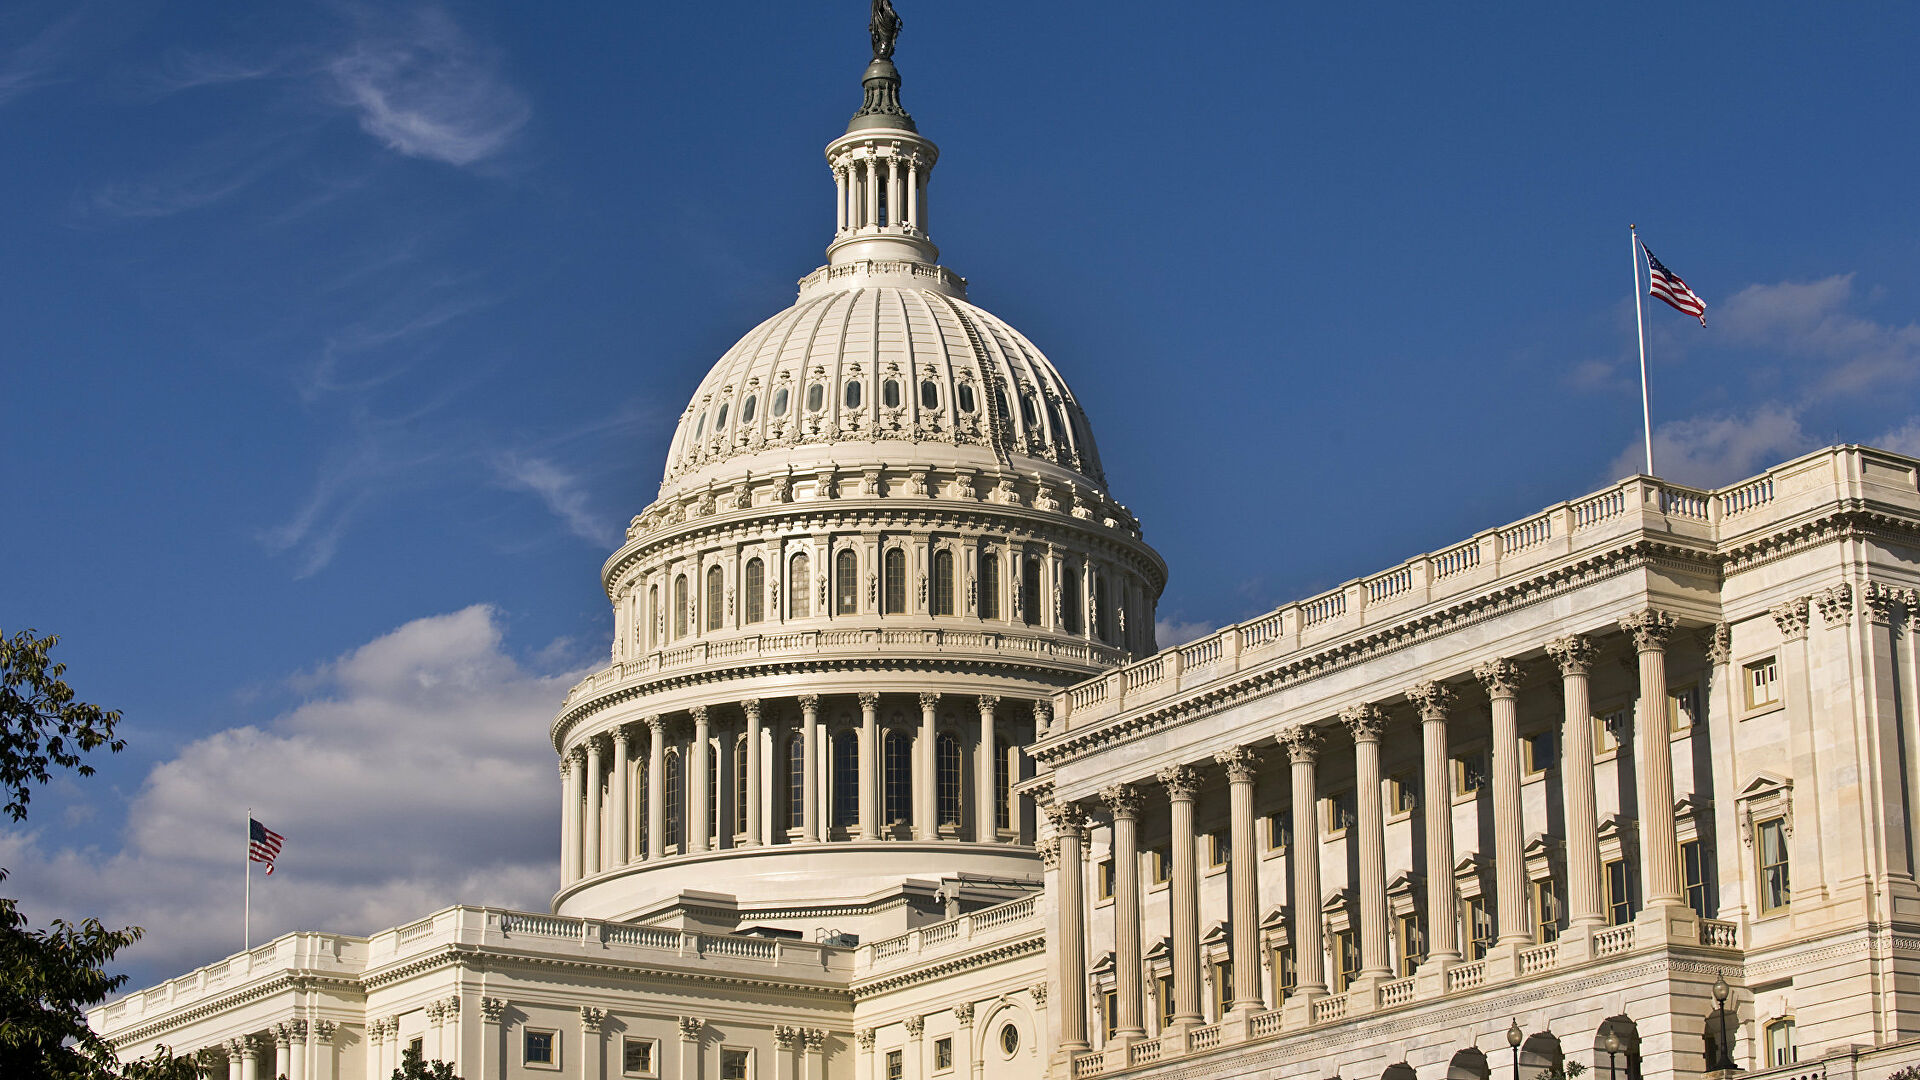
column 1721, row 991
column 1613, row 1049
column 1514, row 1037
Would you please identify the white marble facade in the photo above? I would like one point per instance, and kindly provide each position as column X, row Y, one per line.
column 885, row 776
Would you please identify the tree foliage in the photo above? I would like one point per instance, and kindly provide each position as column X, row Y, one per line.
column 48, row 977
column 413, row 1067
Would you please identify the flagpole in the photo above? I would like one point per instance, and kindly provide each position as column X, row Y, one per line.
column 1640, row 325
column 246, row 903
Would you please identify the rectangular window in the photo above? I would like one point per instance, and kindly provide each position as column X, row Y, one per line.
column 1402, row 796
column 1479, row 927
column 1222, row 989
column 1619, row 892
column 1336, row 812
column 1607, row 728
column 1469, row 773
column 1762, row 680
column 1110, row 1011
column 1546, row 912
column 637, row 1057
column 1693, row 870
column 896, row 1065
column 1165, row 985
column 541, row 1048
column 736, row 1064
column 1003, row 789
column 1780, row 1044
column 1537, row 751
column 1775, row 889
column 1159, row 864
column 1683, row 708
column 1279, row 830
column 1346, row 960
column 1287, row 976
column 942, row 1054
column 1219, row 849
column 1104, row 882
column 1413, row 943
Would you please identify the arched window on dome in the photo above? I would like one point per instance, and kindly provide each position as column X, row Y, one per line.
column 739, row 824
column 799, row 574
column 637, row 827
column 756, row 604
column 989, row 578
column 747, row 408
column 653, row 616
column 679, row 606
column 947, row 767
column 846, row 583
column 890, row 393
column 700, row 426
column 929, row 394
column 1003, row 788
column 1000, row 407
column 780, row 402
column 965, row 394
column 720, row 418
column 715, row 764
column 1027, row 414
column 716, row 597
column 1059, row 419
column 1099, row 589
column 1070, row 599
column 846, row 780
column 676, row 801
column 943, row 582
column 796, row 782
column 1030, row 590
column 899, row 780
column 853, row 394
column 893, row 568
column 816, row 397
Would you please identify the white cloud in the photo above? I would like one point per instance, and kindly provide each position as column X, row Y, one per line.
column 1170, row 632
column 1708, row 451
column 32, row 65
column 1904, row 439
column 427, row 90
column 416, row 775
column 1810, row 321
column 560, row 490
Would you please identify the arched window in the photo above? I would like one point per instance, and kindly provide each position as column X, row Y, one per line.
column 1000, row 404
column 899, row 786
column 989, row 585
column 700, row 425
column 653, row 616
column 716, row 597
column 676, row 800
column 846, row 780
column 1030, row 590
column 846, row 583
column 679, row 606
column 947, row 760
column 796, row 782
column 929, row 394
column 1059, row 423
column 799, row 574
column 853, row 394
column 780, row 402
column 943, row 582
column 746, row 408
column 740, row 784
column 965, row 394
column 890, row 393
column 816, row 397
column 1027, row 414
column 894, row 570
column 1781, row 1048
column 756, row 590
column 720, row 421
column 1070, row 599
column 1102, row 615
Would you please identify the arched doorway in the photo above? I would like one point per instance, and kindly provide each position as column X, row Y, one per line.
column 1468, row 1064
column 1623, row 1063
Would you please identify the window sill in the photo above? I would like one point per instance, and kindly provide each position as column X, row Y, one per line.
column 1763, row 710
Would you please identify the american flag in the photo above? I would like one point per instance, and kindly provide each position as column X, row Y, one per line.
column 1667, row 285
column 263, row 844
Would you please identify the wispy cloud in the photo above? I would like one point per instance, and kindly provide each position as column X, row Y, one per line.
column 33, row 64
column 1708, row 451
column 561, row 491
column 425, row 89
column 1814, row 321
column 1170, row 632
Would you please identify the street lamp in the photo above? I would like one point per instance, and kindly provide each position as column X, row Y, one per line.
column 1613, row 1048
column 1721, row 991
column 1514, row 1035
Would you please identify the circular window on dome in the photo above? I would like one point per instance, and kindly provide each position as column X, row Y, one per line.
column 720, row 421
column 746, row 408
column 966, row 397
column 853, row 394
column 816, row 397
column 890, row 393
column 1009, row 1039
column 780, row 402
column 929, row 394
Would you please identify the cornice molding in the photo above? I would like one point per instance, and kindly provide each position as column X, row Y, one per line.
column 998, row 953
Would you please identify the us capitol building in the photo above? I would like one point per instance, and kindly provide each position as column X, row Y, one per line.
column 887, row 776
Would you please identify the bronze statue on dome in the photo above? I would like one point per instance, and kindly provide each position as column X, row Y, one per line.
column 884, row 28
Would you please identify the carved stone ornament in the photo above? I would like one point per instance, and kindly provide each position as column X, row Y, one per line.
column 655, row 723
column 1181, row 781
column 621, row 736
column 591, row 1019
column 698, row 712
column 1880, row 600
column 1650, row 628
column 1835, row 603
column 785, row 1036
column 1791, row 617
column 963, row 1013
column 323, row 1029
column 1302, row 743
column 1240, row 763
column 1367, row 722
column 1122, row 800
column 1038, row 991
column 1043, row 715
column 751, row 708
column 865, row 1037
column 915, row 1025
column 690, row 1028
column 1065, row 816
column 783, row 489
column 989, row 702
column 1574, row 653
column 809, row 701
column 1502, row 678
column 1718, row 642
column 815, row 1039
column 492, row 1009
column 929, row 699
column 1049, row 849
column 1433, row 699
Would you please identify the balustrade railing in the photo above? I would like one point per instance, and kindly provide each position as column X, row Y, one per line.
column 1613, row 940
column 1323, row 609
column 1531, row 533
column 1602, row 507
column 1262, row 631
column 1144, row 1052
column 1397, row 992
column 1457, row 560
column 1329, row 1008
column 1748, row 496
column 1539, row 958
column 1389, row 585
column 1093, row 1064
column 1466, row 976
column 1717, row 934
column 1204, row 1038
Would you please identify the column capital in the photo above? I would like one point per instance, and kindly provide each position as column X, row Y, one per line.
column 566, row 764
column 785, row 1036
column 1240, row 763
column 1502, row 678
column 1042, row 715
column 988, row 703
column 815, row 1039
column 621, row 735
column 1433, row 699
column 690, row 1028
column 929, row 699
column 1366, row 721
column 1122, row 800
column 963, row 1014
column 698, row 712
column 751, row 707
column 1791, row 617
column 865, row 1037
column 1718, row 641
column 655, row 723
column 1574, row 653
column 869, row 699
column 1064, row 815
column 591, row 1018
column 1049, row 849
column 1302, row 743
column 1038, row 991
column 916, row 1025
column 1835, row 603
column 578, row 756
column 809, row 701
column 1181, row 782
column 322, row 1030
column 1650, row 628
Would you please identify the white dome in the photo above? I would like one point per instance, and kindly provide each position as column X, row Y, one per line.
column 882, row 362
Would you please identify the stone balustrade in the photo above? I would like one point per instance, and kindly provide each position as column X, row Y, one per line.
column 1016, row 918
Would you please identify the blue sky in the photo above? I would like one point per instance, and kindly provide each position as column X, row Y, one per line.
column 341, row 340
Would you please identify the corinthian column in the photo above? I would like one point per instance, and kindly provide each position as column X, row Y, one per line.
column 1585, row 905
column 697, row 778
column 622, row 799
column 570, row 796
column 810, row 761
column 1659, row 846
column 1182, row 783
column 656, row 785
column 986, row 775
column 869, row 766
column 755, row 782
column 1434, row 699
column 1123, row 801
column 1061, row 853
column 592, row 866
column 1302, row 744
column 926, row 795
column 1244, row 874
column 1367, row 722
column 1502, row 681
